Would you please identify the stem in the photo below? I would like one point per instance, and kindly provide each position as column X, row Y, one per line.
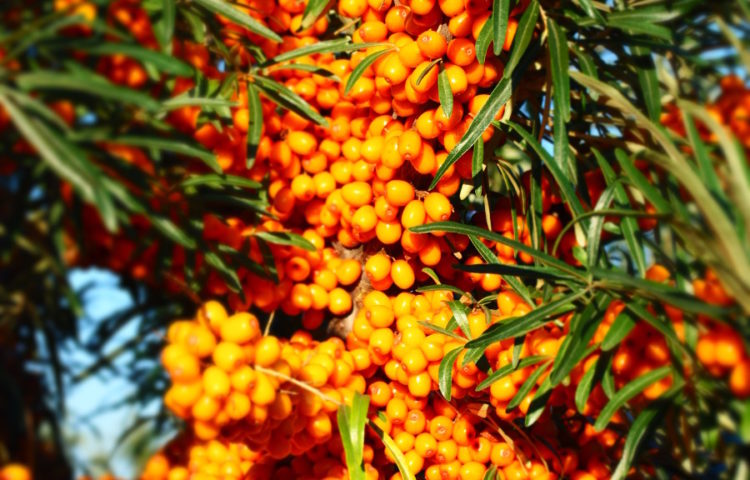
column 298, row 383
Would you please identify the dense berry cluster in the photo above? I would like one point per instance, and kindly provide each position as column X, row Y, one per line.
column 352, row 185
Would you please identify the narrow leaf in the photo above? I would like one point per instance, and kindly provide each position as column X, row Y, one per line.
column 444, row 92
column 225, row 9
column 445, row 372
column 500, row 11
column 362, row 67
column 313, row 11
column 255, row 127
column 626, row 393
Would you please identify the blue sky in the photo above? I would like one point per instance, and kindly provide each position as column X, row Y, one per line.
column 90, row 426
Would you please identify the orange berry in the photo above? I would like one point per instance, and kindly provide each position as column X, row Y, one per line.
column 240, row 328
column 409, row 144
column 357, row 194
column 339, row 301
column 739, row 379
column 432, row 44
column 402, row 274
column 301, row 143
column 399, row 192
column 437, row 206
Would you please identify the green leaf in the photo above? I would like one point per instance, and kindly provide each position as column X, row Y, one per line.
column 483, row 41
column 219, row 181
column 527, row 386
column 460, row 312
column 171, row 231
column 186, row 100
column 491, row 473
column 559, row 63
column 646, row 71
column 538, row 403
column 700, row 151
column 163, row 62
column 567, row 189
column 629, row 226
column 225, row 9
column 362, row 67
column 619, row 329
column 641, row 182
column 288, row 99
column 637, row 432
column 507, row 275
column 304, row 67
column 56, row 152
column 588, row 7
column 464, row 229
column 512, row 327
column 286, row 238
column 443, row 331
column 340, row 45
column 442, row 288
column 444, row 92
column 229, row 275
column 255, row 127
column 313, row 11
column 596, row 223
column 351, row 422
column 506, row 370
column 90, row 84
column 574, row 347
column 396, row 453
column 524, row 33
column 477, row 158
column 170, row 145
column 500, row 11
column 499, row 95
column 445, row 372
column 167, row 22
column 589, row 380
column 626, row 393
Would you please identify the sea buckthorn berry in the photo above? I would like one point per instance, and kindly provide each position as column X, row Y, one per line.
column 364, row 219
column 384, row 210
column 372, row 149
column 395, row 19
column 394, row 71
column 373, row 31
column 432, row 44
column 420, row 385
column 228, row 356
column 380, row 316
column 396, row 411
column 399, row 192
column 216, row 382
column 414, row 214
column 409, row 144
column 402, row 274
column 414, row 361
column 456, row 78
column 303, row 187
column 472, row 471
column 437, row 206
column 410, row 55
column 301, row 143
column 388, row 233
column 502, row 455
column 267, row 351
column 357, row 194
column 739, row 379
column 461, row 51
column 380, row 393
column 339, row 301
column 378, row 267
column 240, row 328
column 381, row 341
column 348, row 271
column 426, row 125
